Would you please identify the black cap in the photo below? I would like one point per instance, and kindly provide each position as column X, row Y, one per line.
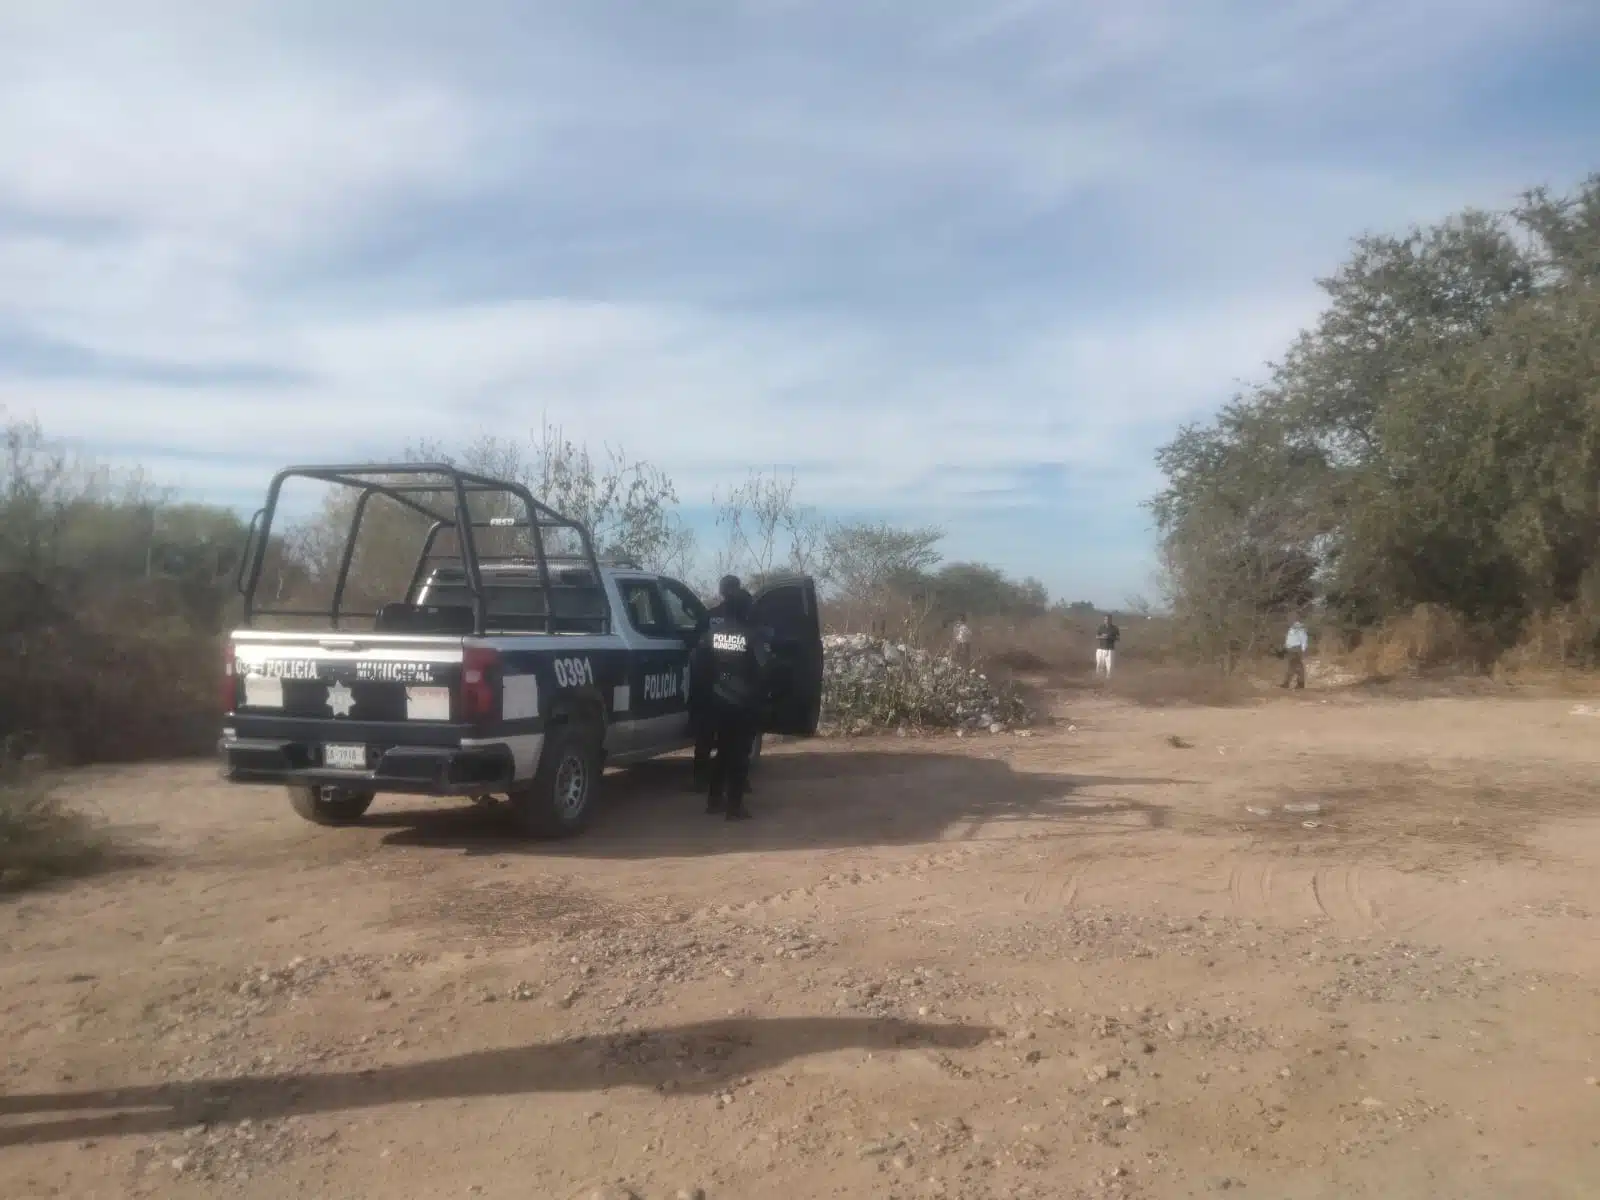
column 729, row 587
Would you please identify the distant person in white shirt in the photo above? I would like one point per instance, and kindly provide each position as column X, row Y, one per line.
column 1295, row 645
column 962, row 639
column 1105, row 647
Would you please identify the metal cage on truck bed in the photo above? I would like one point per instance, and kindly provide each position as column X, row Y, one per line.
column 566, row 584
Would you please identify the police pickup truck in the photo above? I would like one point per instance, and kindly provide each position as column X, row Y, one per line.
column 521, row 673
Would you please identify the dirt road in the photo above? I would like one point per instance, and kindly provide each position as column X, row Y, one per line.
column 1096, row 961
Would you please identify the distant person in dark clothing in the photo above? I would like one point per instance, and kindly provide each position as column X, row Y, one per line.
column 1105, row 647
column 733, row 657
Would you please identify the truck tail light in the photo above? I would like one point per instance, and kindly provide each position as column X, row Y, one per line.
column 230, row 680
column 480, row 685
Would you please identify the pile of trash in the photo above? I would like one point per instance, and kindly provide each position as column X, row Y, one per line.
column 870, row 684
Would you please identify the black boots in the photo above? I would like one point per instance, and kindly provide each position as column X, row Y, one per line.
column 734, row 812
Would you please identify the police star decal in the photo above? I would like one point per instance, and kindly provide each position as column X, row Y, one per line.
column 340, row 699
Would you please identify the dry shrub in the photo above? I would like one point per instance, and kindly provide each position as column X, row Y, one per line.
column 39, row 836
column 1556, row 641
column 886, row 614
column 1018, row 660
column 1434, row 646
column 1034, row 645
column 1428, row 638
column 118, row 683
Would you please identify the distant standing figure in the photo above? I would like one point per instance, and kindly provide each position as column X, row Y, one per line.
column 1295, row 645
column 962, row 635
column 1105, row 647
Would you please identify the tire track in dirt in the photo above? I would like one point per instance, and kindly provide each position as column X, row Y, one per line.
column 1342, row 894
column 1260, row 887
column 1053, row 890
column 1342, row 899
column 954, row 858
column 849, row 879
column 1250, row 887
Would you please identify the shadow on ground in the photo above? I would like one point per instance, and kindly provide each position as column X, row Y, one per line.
column 802, row 800
column 692, row 1059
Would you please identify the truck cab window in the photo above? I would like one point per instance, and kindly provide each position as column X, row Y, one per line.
column 683, row 609
column 639, row 597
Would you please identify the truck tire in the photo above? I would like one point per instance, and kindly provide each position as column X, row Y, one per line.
column 560, row 799
column 329, row 805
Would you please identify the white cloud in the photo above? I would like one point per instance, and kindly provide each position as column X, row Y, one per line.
column 860, row 418
column 261, row 159
column 165, row 162
column 918, row 251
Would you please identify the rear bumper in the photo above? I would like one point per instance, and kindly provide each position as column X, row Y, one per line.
column 414, row 770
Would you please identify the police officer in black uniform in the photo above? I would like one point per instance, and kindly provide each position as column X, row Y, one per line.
column 700, row 712
column 732, row 658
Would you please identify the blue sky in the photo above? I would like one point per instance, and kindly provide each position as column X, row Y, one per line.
column 953, row 263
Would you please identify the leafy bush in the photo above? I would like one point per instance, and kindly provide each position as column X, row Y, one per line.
column 111, row 604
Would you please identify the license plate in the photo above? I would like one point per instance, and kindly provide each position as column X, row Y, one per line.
column 347, row 758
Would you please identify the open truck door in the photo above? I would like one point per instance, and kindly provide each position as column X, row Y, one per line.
column 788, row 607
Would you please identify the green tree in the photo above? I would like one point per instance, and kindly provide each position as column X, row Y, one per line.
column 1428, row 441
column 862, row 560
column 980, row 590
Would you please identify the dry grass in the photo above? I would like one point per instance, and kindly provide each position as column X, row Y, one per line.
column 1060, row 651
column 1428, row 652
column 1164, row 686
column 1067, row 643
column 40, row 838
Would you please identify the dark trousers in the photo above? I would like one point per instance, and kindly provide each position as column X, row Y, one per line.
column 733, row 732
column 1294, row 668
column 705, row 741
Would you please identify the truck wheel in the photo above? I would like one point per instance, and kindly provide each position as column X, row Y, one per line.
column 327, row 804
column 560, row 798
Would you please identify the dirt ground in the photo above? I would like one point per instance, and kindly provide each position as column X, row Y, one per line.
column 1104, row 959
